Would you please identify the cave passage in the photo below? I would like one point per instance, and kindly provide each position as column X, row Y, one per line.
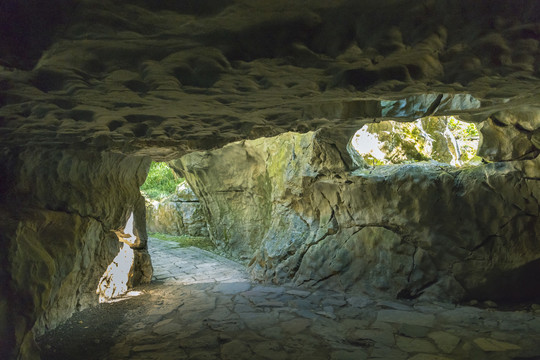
column 205, row 306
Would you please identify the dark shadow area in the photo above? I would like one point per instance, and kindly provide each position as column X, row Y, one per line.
column 88, row 334
column 193, row 7
column 511, row 287
column 28, row 27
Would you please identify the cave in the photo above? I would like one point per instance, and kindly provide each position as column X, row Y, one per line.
column 256, row 104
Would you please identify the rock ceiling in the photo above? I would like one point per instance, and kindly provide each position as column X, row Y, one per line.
column 169, row 77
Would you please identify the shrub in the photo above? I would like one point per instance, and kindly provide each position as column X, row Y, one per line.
column 160, row 182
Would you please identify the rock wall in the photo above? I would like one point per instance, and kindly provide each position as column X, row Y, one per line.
column 289, row 207
column 57, row 210
column 178, row 214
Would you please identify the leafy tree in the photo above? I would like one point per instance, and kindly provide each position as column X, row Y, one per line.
column 160, row 182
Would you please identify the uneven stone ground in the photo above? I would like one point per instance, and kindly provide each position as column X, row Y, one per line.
column 202, row 306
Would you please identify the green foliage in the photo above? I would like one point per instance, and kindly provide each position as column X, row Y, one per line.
column 160, row 182
column 187, row 241
column 462, row 130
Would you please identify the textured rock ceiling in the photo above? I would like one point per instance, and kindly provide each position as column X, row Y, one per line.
column 163, row 78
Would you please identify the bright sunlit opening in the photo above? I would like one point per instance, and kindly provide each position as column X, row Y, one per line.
column 441, row 139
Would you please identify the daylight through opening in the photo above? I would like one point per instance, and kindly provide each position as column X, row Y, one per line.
column 173, row 211
column 443, row 139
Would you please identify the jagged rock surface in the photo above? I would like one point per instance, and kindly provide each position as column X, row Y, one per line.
column 58, row 212
column 178, row 214
column 91, row 81
column 167, row 79
column 288, row 207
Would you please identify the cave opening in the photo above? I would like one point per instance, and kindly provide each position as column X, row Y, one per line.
column 433, row 139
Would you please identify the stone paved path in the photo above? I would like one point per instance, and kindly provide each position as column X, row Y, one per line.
column 206, row 308
column 202, row 306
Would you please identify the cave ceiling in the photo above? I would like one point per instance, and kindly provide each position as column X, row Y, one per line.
column 163, row 78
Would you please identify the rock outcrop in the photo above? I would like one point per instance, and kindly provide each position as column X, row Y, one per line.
column 178, row 214
column 289, row 207
column 59, row 210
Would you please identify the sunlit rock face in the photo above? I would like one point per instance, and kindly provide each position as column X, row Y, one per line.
column 178, row 214
column 58, row 211
column 289, row 208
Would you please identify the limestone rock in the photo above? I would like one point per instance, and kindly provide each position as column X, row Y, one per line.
column 60, row 237
column 178, row 214
column 165, row 80
column 288, row 207
column 510, row 135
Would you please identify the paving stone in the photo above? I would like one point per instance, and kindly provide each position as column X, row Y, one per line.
column 271, row 304
column 415, row 345
column 461, row 315
column 220, row 313
column 490, row 345
column 200, row 355
column 307, row 314
column 300, row 304
column 429, row 357
column 332, row 301
column 300, row 293
column 236, row 350
column 274, row 332
column 352, row 324
column 269, row 289
column 208, row 317
column 366, row 336
column 232, row 288
column 230, row 325
column 326, row 314
column 149, row 347
column 348, row 355
column 410, row 330
column 444, row 341
column 295, row 326
column 269, row 350
column 200, row 341
column 258, row 320
column 241, row 308
column 407, row 317
column 349, row 312
column 168, row 328
column 387, row 353
column 385, row 304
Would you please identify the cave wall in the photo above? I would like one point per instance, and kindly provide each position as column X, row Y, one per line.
column 178, row 214
column 80, row 79
column 57, row 211
column 291, row 208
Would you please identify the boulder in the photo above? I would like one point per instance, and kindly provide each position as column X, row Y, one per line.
column 177, row 214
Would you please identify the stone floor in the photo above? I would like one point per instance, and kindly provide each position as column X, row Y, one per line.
column 202, row 306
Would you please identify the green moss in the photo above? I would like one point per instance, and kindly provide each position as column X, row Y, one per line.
column 186, row 241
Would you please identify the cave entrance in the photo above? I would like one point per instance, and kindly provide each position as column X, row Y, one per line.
column 443, row 139
column 173, row 211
